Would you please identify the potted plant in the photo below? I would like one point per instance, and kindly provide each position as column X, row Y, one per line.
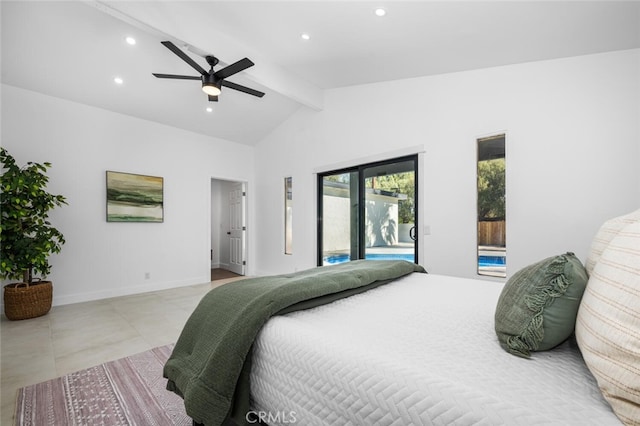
column 27, row 238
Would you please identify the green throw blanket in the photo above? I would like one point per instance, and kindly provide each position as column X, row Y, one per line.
column 207, row 367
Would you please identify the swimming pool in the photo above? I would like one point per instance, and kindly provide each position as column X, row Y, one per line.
column 345, row 257
column 491, row 261
column 483, row 261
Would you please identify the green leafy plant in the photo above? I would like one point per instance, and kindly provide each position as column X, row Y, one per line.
column 27, row 238
column 491, row 189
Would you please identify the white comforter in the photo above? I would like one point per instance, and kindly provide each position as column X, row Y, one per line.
column 419, row 351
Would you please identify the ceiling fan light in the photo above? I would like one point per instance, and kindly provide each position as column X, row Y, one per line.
column 211, row 89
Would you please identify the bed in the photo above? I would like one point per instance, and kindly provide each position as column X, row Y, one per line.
column 429, row 357
column 421, row 349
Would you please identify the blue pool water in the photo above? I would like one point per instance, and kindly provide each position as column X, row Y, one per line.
column 344, row 257
column 489, row 261
column 483, row 261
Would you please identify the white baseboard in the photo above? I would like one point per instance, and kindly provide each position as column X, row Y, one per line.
column 109, row 293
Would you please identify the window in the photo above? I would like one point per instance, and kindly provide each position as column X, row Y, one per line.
column 288, row 215
column 492, row 248
column 368, row 212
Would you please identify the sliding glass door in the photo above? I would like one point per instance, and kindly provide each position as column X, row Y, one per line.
column 390, row 214
column 368, row 212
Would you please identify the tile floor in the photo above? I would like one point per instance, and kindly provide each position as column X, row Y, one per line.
column 73, row 337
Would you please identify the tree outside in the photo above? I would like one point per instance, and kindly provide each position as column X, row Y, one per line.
column 491, row 189
column 401, row 183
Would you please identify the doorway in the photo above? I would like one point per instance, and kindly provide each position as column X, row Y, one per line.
column 228, row 229
column 369, row 212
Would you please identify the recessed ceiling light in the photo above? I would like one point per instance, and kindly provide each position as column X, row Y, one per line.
column 209, row 109
column 130, row 40
column 118, row 80
column 380, row 12
column 305, row 36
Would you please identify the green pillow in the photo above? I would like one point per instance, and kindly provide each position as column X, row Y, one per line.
column 538, row 305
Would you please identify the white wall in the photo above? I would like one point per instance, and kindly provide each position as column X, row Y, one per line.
column 573, row 149
column 216, row 230
column 103, row 259
column 573, row 146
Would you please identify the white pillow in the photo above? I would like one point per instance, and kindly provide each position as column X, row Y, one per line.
column 605, row 234
column 608, row 323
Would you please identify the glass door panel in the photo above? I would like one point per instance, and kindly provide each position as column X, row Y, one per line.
column 339, row 224
column 389, row 211
column 368, row 212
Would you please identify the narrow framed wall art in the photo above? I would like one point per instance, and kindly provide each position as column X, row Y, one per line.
column 134, row 198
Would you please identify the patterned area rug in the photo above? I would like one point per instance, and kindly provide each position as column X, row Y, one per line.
column 128, row 391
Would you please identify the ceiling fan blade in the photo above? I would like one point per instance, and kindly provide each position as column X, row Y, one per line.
column 172, row 47
column 240, row 88
column 234, row 68
column 213, row 98
column 180, row 77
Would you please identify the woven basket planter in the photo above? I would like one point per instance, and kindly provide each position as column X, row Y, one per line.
column 23, row 301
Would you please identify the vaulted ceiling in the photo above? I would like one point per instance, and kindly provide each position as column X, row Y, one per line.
column 75, row 49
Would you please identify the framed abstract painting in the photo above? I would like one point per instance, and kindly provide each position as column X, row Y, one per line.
column 134, row 198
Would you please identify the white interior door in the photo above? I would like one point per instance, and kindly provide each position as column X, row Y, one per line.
column 237, row 229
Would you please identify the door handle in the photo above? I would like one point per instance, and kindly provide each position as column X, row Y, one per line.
column 228, row 232
column 412, row 233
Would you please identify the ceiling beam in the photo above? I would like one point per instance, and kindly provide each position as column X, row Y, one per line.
column 182, row 24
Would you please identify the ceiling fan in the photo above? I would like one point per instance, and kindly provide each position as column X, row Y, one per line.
column 212, row 82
